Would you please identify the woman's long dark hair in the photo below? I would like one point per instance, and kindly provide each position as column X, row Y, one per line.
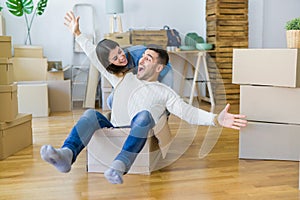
column 102, row 50
column 114, row 69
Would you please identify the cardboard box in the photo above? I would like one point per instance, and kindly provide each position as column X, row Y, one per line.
column 54, row 66
column 55, row 75
column 28, row 51
column 270, row 141
column 59, row 95
column 5, row 46
column 55, row 70
column 107, row 143
column 123, row 39
column 276, row 67
column 30, row 69
column 15, row 135
column 6, row 71
column 33, row 98
column 263, row 103
column 8, row 102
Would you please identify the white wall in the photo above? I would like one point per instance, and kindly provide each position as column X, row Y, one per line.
column 267, row 19
column 48, row 30
column 276, row 14
column 266, row 22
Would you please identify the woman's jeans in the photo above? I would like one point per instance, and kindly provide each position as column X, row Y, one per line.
column 93, row 120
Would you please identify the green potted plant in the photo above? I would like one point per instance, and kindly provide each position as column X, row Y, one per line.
column 293, row 33
column 25, row 8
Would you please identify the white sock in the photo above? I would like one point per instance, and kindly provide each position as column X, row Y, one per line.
column 115, row 173
column 59, row 158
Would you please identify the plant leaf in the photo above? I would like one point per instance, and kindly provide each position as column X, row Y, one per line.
column 27, row 6
column 18, row 7
column 42, row 4
column 293, row 24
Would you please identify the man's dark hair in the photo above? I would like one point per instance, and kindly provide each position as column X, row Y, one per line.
column 163, row 57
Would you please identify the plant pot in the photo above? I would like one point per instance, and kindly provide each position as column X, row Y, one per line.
column 293, row 39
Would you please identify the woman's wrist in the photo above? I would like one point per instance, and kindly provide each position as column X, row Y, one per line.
column 77, row 33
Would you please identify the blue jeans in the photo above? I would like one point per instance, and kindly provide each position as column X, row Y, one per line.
column 93, row 120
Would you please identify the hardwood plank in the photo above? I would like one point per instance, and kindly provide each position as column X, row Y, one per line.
column 219, row 175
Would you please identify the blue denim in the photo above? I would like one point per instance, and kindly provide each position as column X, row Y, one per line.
column 141, row 124
column 93, row 120
column 82, row 132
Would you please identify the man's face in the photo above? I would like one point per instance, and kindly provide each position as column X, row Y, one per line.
column 148, row 68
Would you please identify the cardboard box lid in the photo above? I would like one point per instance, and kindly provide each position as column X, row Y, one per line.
column 5, row 61
column 8, row 88
column 5, row 38
column 20, row 119
column 276, row 67
column 31, row 47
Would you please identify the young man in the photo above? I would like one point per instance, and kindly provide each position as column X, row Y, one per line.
column 148, row 101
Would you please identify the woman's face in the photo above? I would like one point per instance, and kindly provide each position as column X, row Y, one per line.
column 117, row 57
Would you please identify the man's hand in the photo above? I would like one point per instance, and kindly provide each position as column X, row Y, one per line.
column 229, row 120
column 72, row 23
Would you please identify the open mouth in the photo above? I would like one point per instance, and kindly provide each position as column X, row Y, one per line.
column 123, row 62
column 141, row 69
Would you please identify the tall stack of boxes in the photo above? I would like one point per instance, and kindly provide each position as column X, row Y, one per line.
column 41, row 84
column 15, row 128
column 270, row 98
column 30, row 66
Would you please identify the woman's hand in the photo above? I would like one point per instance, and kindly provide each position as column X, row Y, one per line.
column 229, row 120
column 72, row 23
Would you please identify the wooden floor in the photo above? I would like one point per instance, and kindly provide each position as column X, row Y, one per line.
column 219, row 175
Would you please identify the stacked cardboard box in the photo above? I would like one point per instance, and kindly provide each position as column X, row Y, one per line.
column 29, row 66
column 41, row 84
column 15, row 128
column 270, row 95
column 55, row 71
column 29, row 63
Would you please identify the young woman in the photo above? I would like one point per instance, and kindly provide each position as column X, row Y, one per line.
column 115, row 59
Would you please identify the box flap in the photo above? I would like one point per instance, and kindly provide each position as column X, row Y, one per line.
column 31, row 47
column 8, row 88
column 21, row 118
column 5, row 38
